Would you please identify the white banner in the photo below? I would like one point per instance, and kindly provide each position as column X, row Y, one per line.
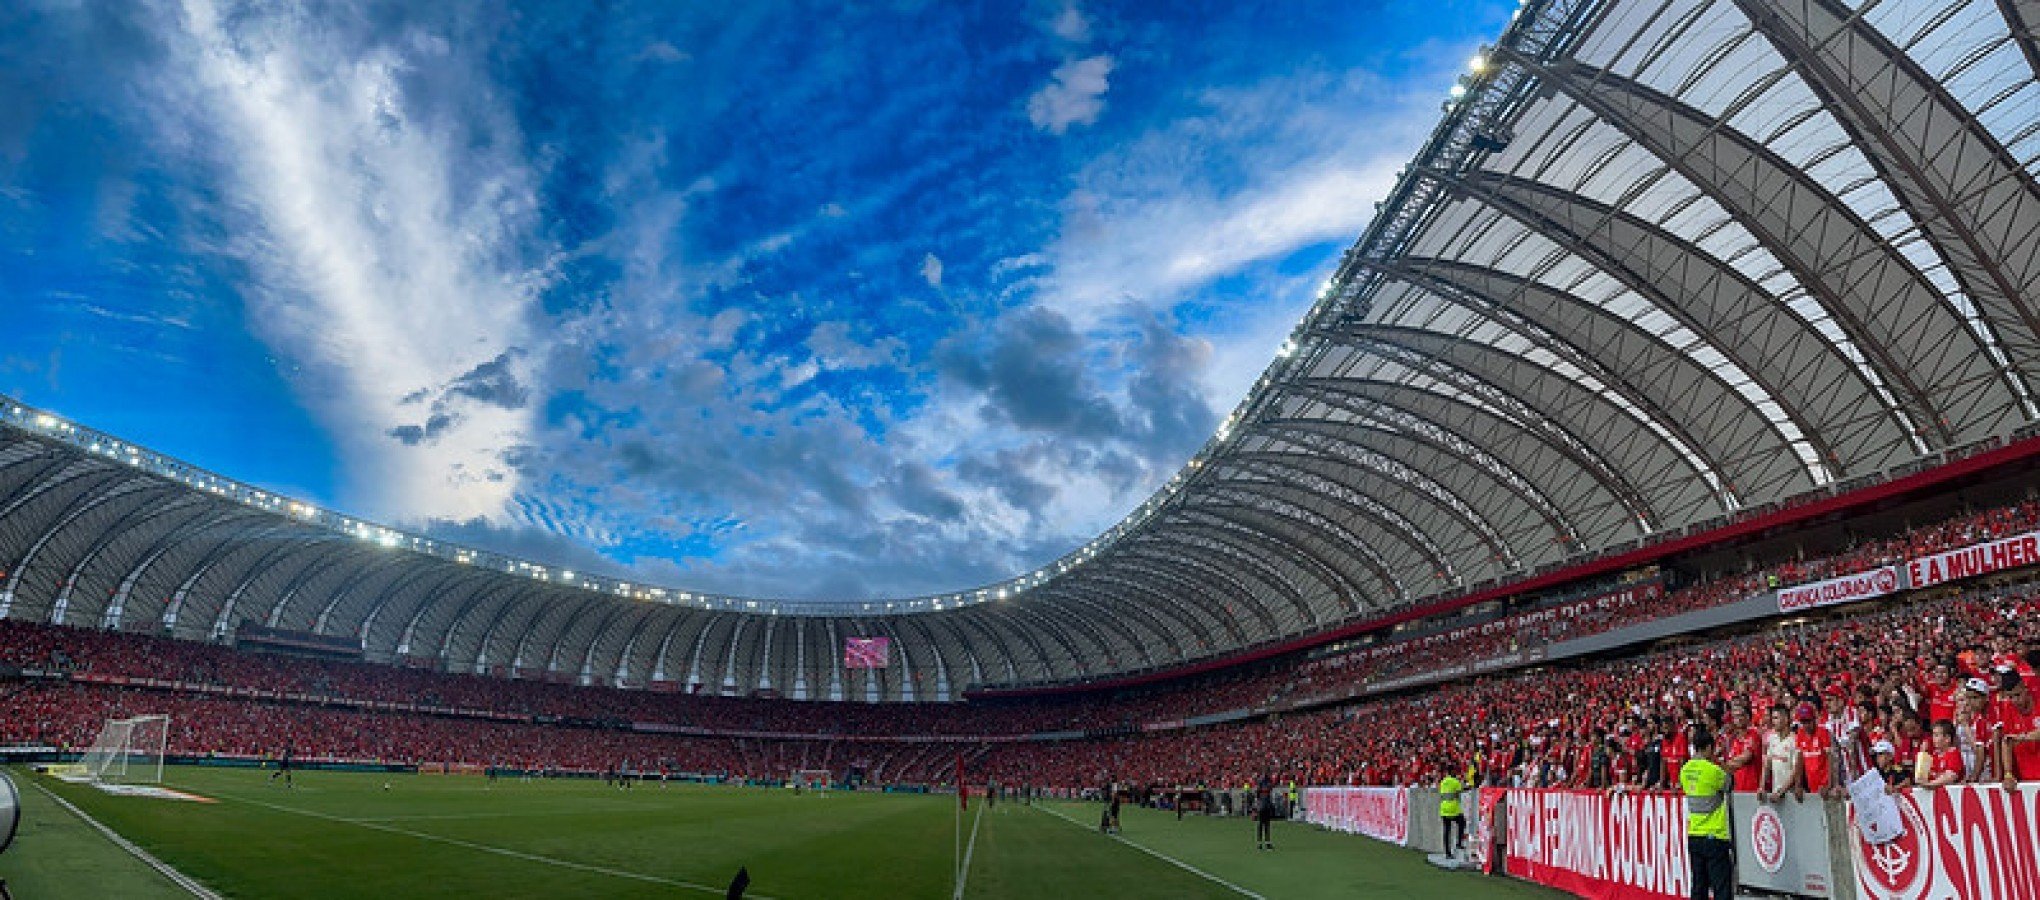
column 1783, row 846
column 1964, row 842
column 1846, row 589
column 1382, row 813
column 1973, row 560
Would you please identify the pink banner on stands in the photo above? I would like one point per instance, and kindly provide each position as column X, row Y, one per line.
column 1382, row 813
column 1965, row 842
column 1973, row 560
column 866, row 653
column 1846, row 589
column 1599, row 846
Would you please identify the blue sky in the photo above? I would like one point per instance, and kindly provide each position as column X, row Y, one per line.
column 824, row 300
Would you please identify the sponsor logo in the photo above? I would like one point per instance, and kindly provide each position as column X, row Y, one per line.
column 1846, row 589
column 1885, row 580
column 1767, row 839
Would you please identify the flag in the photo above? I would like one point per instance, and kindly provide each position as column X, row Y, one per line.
column 867, row 653
column 962, row 789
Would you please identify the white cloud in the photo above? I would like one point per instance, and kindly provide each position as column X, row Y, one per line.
column 1071, row 25
column 665, row 52
column 389, row 252
column 1306, row 157
column 931, row 270
column 1075, row 95
column 1152, row 247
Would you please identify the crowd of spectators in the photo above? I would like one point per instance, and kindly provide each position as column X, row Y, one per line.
column 69, row 715
column 1885, row 676
column 1612, row 724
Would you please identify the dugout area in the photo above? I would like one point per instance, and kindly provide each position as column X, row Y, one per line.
column 342, row 835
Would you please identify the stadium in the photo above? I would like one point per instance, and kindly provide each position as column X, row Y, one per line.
column 1677, row 409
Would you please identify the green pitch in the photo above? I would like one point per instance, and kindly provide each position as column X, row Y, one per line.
column 343, row 835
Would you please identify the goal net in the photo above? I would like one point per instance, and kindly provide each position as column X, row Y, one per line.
column 128, row 751
column 812, row 779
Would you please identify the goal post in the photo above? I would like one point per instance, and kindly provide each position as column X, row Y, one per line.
column 128, row 751
column 812, row 779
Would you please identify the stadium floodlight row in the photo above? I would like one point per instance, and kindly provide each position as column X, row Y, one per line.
column 1664, row 265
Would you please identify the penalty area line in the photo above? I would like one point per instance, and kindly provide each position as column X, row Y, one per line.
column 1207, row 876
column 499, row 851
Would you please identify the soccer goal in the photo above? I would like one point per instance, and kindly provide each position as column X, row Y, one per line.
column 812, row 779
column 128, row 751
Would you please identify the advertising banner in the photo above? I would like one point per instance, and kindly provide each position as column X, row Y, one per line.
column 1963, row 842
column 1382, row 813
column 1782, row 846
column 1973, row 560
column 1846, row 589
column 1599, row 846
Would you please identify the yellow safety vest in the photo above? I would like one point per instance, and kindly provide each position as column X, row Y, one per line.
column 1706, row 787
column 1448, row 796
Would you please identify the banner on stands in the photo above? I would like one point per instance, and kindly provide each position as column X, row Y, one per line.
column 1599, row 846
column 1783, row 846
column 1973, row 560
column 1382, row 813
column 1847, row 589
column 1484, row 828
column 1963, row 842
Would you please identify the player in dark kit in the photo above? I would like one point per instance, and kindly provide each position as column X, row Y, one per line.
column 1264, row 814
column 282, row 768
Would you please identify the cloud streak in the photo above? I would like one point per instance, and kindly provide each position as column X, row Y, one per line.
column 389, row 236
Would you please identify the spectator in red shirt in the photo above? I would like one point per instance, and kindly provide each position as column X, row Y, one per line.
column 1745, row 748
column 1675, row 750
column 1940, row 691
column 1816, row 750
column 2018, row 734
column 1945, row 765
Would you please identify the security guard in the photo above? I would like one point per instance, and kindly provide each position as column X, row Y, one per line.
column 1705, row 784
column 1449, row 789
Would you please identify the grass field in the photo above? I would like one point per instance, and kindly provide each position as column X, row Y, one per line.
column 342, row 835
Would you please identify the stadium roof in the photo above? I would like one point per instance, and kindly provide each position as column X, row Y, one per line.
column 1662, row 264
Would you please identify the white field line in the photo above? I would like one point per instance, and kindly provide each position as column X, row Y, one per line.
column 189, row 884
column 1161, row 856
column 460, row 817
column 499, row 851
column 963, row 873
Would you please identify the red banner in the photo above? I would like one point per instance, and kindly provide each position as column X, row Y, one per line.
column 1976, row 559
column 1484, row 830
column 1600, row 846
column 1964, row 842
column 1382, row 813
column 1846, row 589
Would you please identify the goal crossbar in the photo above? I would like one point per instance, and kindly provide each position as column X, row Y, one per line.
column 128, row 750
